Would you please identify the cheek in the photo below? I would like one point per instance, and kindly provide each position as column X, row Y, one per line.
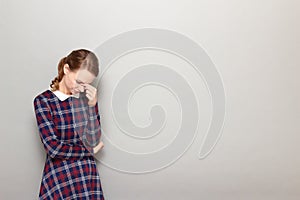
column 71, row 82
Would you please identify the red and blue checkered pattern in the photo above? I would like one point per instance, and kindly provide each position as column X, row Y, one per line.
column 70, row 170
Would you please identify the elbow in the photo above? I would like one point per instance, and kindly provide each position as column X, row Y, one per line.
column 53, row 153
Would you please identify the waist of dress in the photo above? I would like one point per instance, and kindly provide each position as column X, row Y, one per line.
column 71, row 158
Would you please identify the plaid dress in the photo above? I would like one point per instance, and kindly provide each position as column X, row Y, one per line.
column 69, row 129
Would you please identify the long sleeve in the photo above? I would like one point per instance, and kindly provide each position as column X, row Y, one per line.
column 54, row 147
column 92, row 132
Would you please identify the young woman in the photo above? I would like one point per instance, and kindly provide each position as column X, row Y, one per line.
column 69, row 127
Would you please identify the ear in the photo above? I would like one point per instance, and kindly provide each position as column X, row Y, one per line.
column 66, row 69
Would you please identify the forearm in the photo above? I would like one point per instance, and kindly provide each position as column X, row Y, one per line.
column 92, row 132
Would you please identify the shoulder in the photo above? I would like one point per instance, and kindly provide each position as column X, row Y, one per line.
column 45, row 96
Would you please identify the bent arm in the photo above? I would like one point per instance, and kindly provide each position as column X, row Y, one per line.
column 92, row 132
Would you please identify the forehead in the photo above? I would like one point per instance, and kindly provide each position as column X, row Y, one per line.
column 84, row 76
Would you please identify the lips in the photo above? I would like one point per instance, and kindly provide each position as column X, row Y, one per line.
column 75, row 91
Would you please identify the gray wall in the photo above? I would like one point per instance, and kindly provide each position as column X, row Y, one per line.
column 255, row 47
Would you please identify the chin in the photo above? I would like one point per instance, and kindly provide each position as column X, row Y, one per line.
column 73, row 91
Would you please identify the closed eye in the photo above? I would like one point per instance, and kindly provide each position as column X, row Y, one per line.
column 79, row 82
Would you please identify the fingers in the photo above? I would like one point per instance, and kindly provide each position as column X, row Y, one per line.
column 81, row 88
column 98, row 147
column 101, row 144
column 91, row 91
column 89, row 96
column 89, row 87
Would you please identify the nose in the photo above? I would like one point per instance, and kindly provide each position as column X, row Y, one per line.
column 80, row 87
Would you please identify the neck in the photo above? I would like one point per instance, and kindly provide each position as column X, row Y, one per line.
column 63, row 88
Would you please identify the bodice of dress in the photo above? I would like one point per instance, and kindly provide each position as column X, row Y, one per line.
column 66, row 121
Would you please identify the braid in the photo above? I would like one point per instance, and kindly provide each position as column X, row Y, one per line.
column 55, row 82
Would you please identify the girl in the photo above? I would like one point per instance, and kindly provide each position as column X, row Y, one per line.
column 69, row 127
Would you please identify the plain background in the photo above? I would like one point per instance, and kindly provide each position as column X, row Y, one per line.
column 255, row 46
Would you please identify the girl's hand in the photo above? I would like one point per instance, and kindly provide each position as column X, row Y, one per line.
column 98, row 147
column 91, row 94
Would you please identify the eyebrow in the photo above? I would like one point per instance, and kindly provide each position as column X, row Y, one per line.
column 79, row 81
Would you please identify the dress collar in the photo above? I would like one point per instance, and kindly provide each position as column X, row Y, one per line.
column 62, row 96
